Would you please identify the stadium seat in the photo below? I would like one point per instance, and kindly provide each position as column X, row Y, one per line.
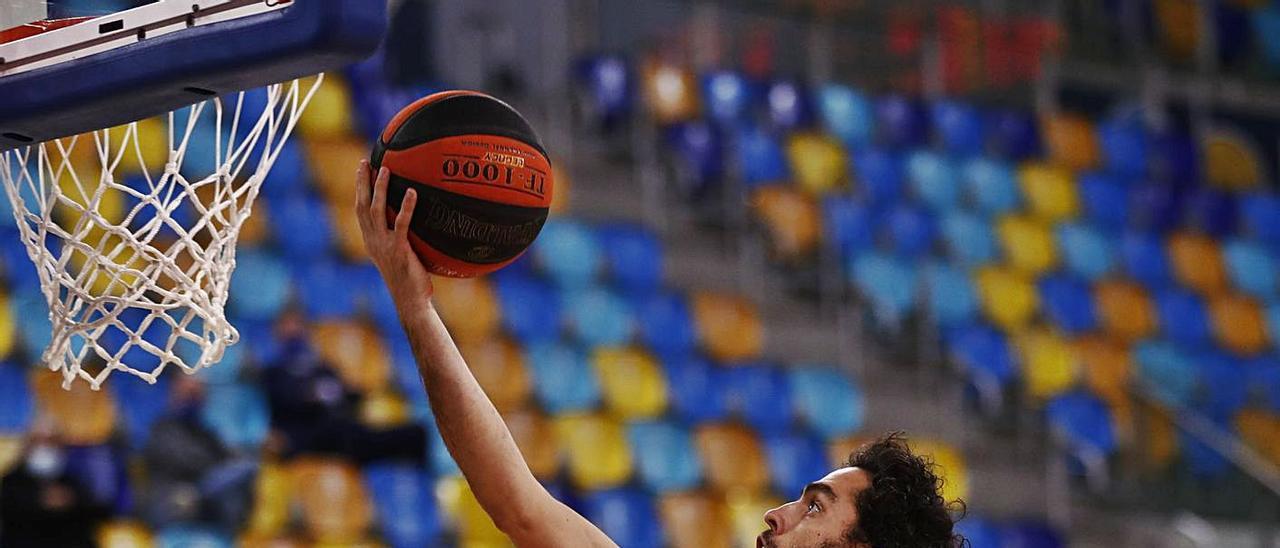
column 1155, row 206
column 631, row 381
column 792, row 221
column 951, row 466
column 237, row 414
column 665, row 324
column 1238, row 324
column 1067, row 303
column 1013, row 134
column 1252, row 268
column 695, row 519
column 535, row 436
column 595, row 450
column 878, row 175
column 8, row 326
column 597, row 316
column 469, row 307
column 1266, row 26
column 1070, row 140
column 665, row 457
column 499, row 367
column 1145, row 259
column 729, row 327
column 1177, row 27
column 670, row 93
column 756, row 393
column 950, row 294
column 404, row 504
column 1231, row 161
column 1175, row 158
column 1260, row 213
column 303, row 229
column 563, row 380
column 849, row 225
column 530, row 307
column 1224, row 388
column 1167, row 370
column 568, row 252
column 81, row 416
column 335, row 504
column 1204, row 462
column 902, row 121
column 1105, row 199
column 934, row 180
column 1197, row 263
column 826, row 400
column 626, row 515
column 1031, row 534
column 607, row 89
column 985, row 355
column 888, row 282
column 698, row 155
column 331, row 160
column 1083, row 424
column 787, row 105
column 969, row 239
column 979, row 532
column 272, row 499
column 101, row 471
column 1027, row 243
column 384, row 409
column 633, row 256
column 1050, row 192
column 140, row 403
column 1009, row 298
column 1264, row 382
column 960, row 127
column 817, row 162
column 694, row 386
column 17, row 403
column 991, row 186
column 472, row 525
column 1213, row 212
column 1107, row 367
column 726, row 97
column 323, row 288
column 1183, row 317
column 760, row 158
column 1260, row 429
column 1124, row 310
column 183, row 536
column 355, row 351
column 847, row 114
column 795, row 459
column 732, row 458
column 124, row 534
column 1124, row 144
column 1049, row 363
column 909, row 230
column 1086, row 251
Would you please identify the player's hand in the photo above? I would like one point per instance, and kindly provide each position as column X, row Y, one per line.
column 389, row 248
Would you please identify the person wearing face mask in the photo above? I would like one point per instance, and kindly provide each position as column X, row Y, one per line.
column 41, row 504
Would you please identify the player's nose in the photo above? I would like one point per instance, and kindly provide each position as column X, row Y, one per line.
column 777, row 519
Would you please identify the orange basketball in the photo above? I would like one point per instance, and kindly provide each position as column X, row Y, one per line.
column 482, row 177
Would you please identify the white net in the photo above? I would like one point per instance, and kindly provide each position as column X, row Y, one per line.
column 134, row 238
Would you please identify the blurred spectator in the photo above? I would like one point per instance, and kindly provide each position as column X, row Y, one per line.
column 41, row 503
column 193, row 476
column 313, row 411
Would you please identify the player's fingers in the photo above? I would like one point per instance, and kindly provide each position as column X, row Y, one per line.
column 406, row 213
column 378, row 209
column 362, row 194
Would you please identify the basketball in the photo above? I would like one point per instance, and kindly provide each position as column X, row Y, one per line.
column 482, row 177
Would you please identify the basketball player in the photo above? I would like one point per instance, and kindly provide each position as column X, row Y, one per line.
column 884, row 497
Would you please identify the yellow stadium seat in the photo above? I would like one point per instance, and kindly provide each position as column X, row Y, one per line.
column 839, row 449
column 124, row 534
column 81, row 415
column 1197, row 263
column 746, row 514
column 535, row 437
column 728, row 326
column 695, row 520
column 632, row 382
column 792, row 220
column 153, row 142
column 1071, row 141
column 257, row 226
column 333, row 163
column 1160, row 438
column 1028, row 244
column 732, row 457
column 272, row 496
column 253, row 541
column 469, row 307
column 356, row 352
column 346, row 228
column 329, row 114
column 1124, row 310
column 384, row 409
column 8, row 329
column 951, row 466
column 1050, row 191
column 562, row 190
column 474, row 527
column 1260, row 430
column 669, row 92
column 11, row 448
column 499, row 367
column 335, row 506
column 818, row 162
column 1107, row 365
column 1238, row 324
column 1231, row 161
column 1009, row 299
column 363, row 543
column 1178, row 27
column 1049, row 365
column 596, row 448
column 101, row 270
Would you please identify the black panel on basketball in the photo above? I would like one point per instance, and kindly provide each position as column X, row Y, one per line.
column 469, row 229
column 463, row 115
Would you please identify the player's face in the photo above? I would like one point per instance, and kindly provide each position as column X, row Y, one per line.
column 822, row 515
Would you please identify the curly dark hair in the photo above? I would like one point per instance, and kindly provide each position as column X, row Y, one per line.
column 903, row 507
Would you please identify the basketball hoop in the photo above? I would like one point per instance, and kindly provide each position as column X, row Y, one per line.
column 136, row 269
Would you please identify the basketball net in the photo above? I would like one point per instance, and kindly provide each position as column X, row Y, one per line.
column 136, row 268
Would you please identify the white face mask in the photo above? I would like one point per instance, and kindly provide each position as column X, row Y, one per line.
column 45, row 461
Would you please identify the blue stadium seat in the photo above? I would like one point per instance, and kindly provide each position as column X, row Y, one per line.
column 1212, row 211
column 1224, row 387
column 1168, row 371
column 633, row 255
column 1266, row 26
column 935, row 180
column 1086, row 250
column 879, row 175
column 909, row 230
column 260, row 286
column 1145, row 259
column 608, row 88
column 1252, row 268
column 114, row 338
column 887, row 282
column 259, row 340
column 32, row 314
column 1013, row 134
column 1264, row 381
column 626, row 515
column 1174, row 158
column 1273, row 320
column 185, row 536
column 1260, row 214
column 902, row 121
column 960, row 126
column 17, row 403
column 563, row 379
column 1084, row 423
column 752, row 393
column 665, row 324
column 795, row 460
column 1105, row 198
column 1183, row 316
column 665, row 457
column 697, row 148
column 849, row 224
column 788, row 105
column 237, row 414
column 826, row 400
column 442, row 463
column 101, row 470
column 1068, row 302
column 1156, row 207
column 1124, row 144
column 950, row 294
column 760, row 158
column 991, row 186
column 1233, row 32
column 694, row 389
column 302, row 227
column 980, row 532
column 19, row 271
column 847, row 114
column 325, row 289
column 289, row 175
column 140, row 404
column 598, row 317
column 1030, row 534
column 969, row 239
column 530, row 307
column 727, row 97
column 1203, row 461
column 405, row 504
column 568, row 252
column 983, row 352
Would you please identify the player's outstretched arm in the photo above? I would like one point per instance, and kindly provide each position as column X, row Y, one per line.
column 471, row 427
